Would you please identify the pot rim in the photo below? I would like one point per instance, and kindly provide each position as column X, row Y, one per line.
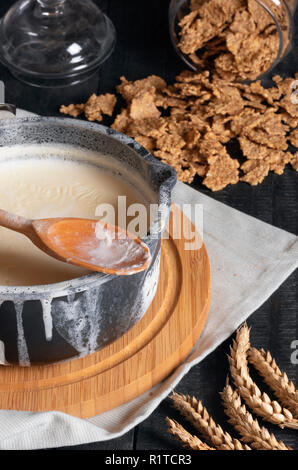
column 81, row 283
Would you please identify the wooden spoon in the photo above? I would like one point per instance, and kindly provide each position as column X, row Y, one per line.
column 88, row 243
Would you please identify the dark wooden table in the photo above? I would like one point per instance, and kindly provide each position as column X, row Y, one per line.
column 143, row 48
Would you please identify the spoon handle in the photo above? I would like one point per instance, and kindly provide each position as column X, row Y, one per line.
column 25, row 226
column 15, row 222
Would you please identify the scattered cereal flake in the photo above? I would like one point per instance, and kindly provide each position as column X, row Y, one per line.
column 143, row 106
column 73, row 109
column 198, row 123
column 170, row 99
column 147, row 127
column 288, row 106
column 185, row 171
column 170, row 142
column 255, row 171
column 192, row 138
column 284, row 85
column 278, row 161
column 188, row 89
column 209, row 145
column 273, row 141
column 223, row 170
column 221, row 129
column 227, row 100
column 293, row 137
column 201, row 169
column 186, row 124
column 272, row 123
column 248, row 118
column 269, row 95
column 294, row 161
column 122, row 121
column 252, row 101
column 129, row 90
column 253, row 151
column 288, row 119
column 202, row 78
column 186, row 175
column 96, row 106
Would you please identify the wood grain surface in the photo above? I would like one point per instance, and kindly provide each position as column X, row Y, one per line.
column 143, row 357
column 143, row 48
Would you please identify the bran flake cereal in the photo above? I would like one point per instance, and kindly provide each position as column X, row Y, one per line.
column 93, row 109
column 190, row 124
column 293, row 138
column 238, row 39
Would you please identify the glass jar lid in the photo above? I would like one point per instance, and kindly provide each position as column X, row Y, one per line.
column 55, row 42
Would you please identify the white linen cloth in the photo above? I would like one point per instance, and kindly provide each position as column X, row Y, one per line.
column 249, row 261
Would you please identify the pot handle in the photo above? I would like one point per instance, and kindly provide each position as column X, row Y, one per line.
column 7, row 110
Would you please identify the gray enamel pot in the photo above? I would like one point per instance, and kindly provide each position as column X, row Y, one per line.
column 58, row 322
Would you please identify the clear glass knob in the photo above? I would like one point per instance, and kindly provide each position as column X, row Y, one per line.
column 55, row 42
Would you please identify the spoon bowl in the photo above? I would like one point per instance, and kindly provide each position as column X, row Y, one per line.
column 88, row 243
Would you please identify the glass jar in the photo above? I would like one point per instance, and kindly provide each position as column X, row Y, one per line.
column 55, row 42
column 282, row 15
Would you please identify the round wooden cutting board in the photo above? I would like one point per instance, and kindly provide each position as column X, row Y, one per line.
column 144, row 356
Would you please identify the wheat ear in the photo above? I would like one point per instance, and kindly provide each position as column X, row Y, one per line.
column 248, row 427
column 196, row 413
column 260, row 403
column 277, row 380
column 187, row 439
